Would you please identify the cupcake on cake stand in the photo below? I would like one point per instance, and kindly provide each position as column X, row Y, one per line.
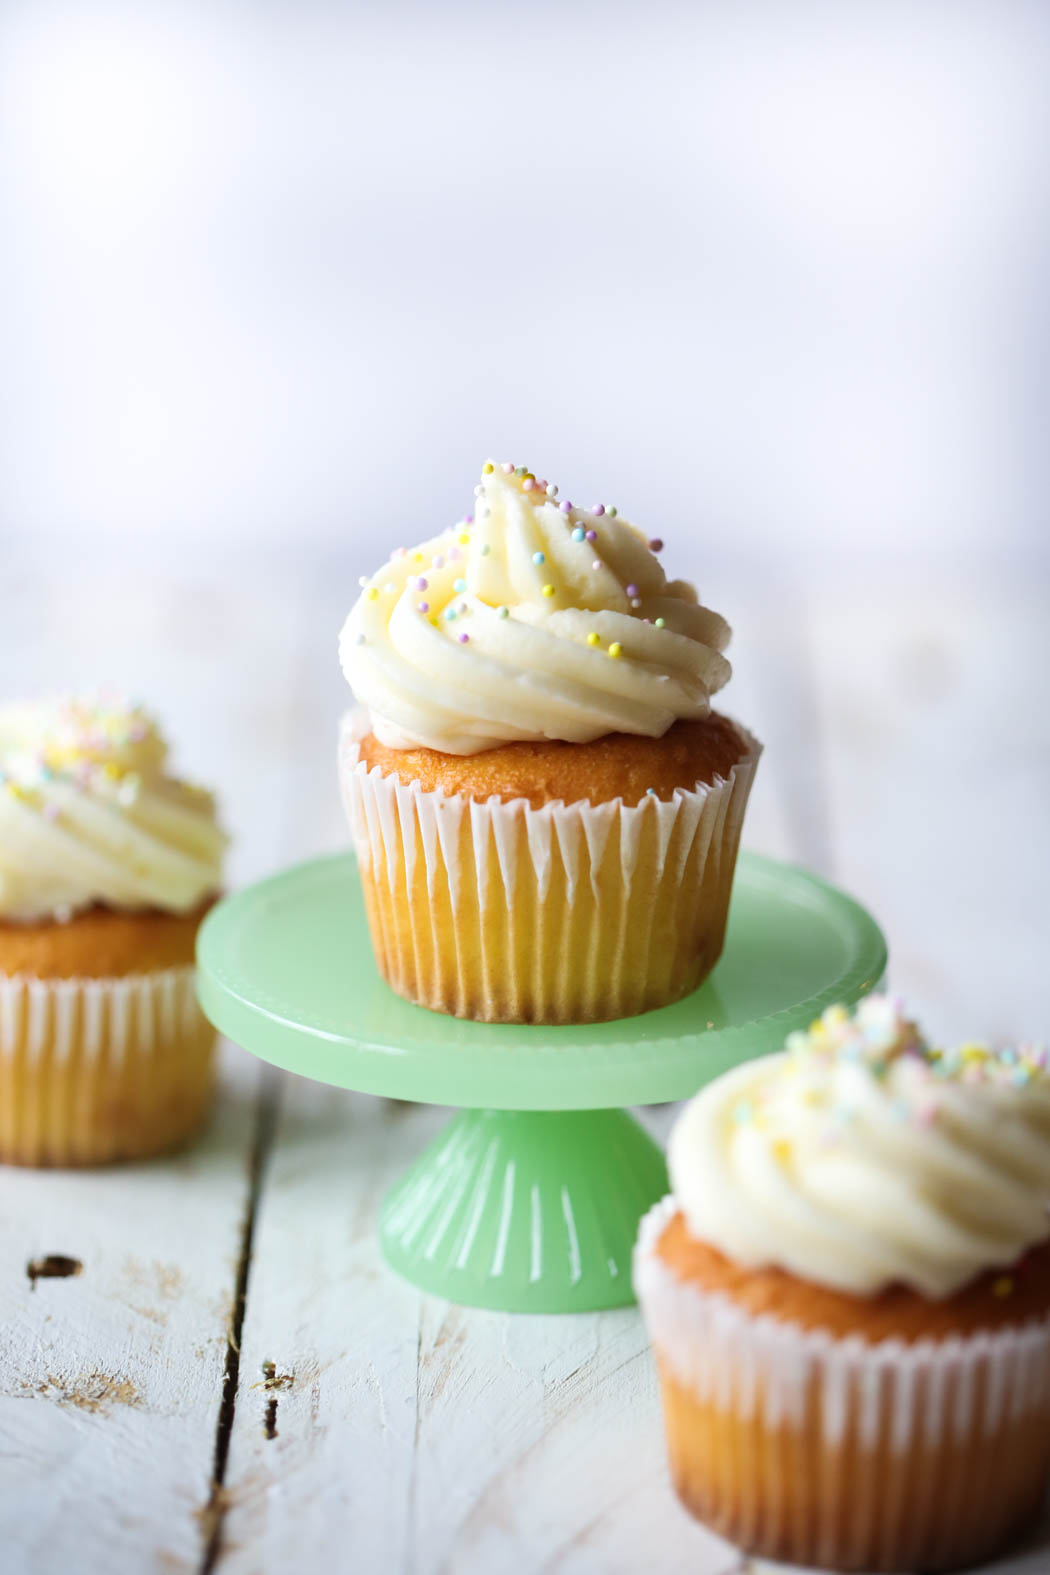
column 530, row 1198
column 546, row 812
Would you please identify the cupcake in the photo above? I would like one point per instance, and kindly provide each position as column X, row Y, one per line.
column 848, row 1296
column 545, row 808
column 107, row 866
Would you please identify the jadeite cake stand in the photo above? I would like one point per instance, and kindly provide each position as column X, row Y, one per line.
column 529, row 1200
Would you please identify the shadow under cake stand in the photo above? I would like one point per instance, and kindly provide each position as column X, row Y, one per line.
column 529, row 1200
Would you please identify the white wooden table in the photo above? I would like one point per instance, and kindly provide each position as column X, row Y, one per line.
column 231, row 1379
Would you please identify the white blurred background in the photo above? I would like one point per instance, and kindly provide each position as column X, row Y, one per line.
column 276, row 278
column 773, row 275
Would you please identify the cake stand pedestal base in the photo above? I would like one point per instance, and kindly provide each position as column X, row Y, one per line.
column 527, row 1211
column 530, row 1200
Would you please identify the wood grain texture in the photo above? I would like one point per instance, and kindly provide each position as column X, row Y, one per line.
column 370, row 1428
column 110, row 1376
column 412, row 1434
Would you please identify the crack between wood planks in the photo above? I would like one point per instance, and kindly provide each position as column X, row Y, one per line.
column 410, row 1505
column 213, row 1515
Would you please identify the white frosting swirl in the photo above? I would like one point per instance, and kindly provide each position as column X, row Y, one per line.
column 530, row 620
column 89, row 814
column 858, row 1158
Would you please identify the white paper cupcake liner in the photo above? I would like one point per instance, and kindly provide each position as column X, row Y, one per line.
column 569, row 912
column 99, row 1069
column 888, row 1456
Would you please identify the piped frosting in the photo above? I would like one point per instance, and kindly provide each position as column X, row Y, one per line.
column 531, row 618
column 861, row 1157
column 90, row 814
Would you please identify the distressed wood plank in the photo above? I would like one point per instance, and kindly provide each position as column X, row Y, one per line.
column 110, row 1377
column 111, row 1380
column 393, row 1431
column 399, row 1432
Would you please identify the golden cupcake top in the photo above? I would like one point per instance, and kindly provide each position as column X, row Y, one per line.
column 89, row 813
column 532, row 618
column 861, row 1157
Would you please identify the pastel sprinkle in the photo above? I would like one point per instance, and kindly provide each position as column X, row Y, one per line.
column 651, row 792
column 459, row 585
column 632, row 590
column 362, row 580
column 373, row 593
column 463, row 538
column 479, row 490
column 542, row 483
column 420, row 583
column 661, row 623
column 454, row 555
column 485, row 549
column 487, row 468
column 597, row 564
column 591, row 535
column 539, row 557
column 577, row 534
column 636, row 601
column 450, row 613
column 528, row 485
column 611, row 512
column 439, row 561
column 599, row 509
column 616, row 649
column 507, row 468
column 424, row 607
column 548, row 590
column 565, row 506
column 552, row 491
column 594, row 639
column 417, row 557
column 463, row 639
column 502, row 612
column 656, row 545
column 390, row 587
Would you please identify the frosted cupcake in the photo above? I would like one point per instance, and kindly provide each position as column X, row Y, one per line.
column 848, row 1295
column 545, row 808
column 107, row 866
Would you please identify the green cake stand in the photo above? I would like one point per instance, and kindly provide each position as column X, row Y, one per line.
column 530, row 1198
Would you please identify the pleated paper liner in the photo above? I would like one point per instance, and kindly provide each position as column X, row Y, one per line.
column 817, row 1450
column 565, row 914
column 96, row 1070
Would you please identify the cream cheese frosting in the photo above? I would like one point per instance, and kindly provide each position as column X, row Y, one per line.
column 530, row 619
column 860, row 1157
column 90, row 814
